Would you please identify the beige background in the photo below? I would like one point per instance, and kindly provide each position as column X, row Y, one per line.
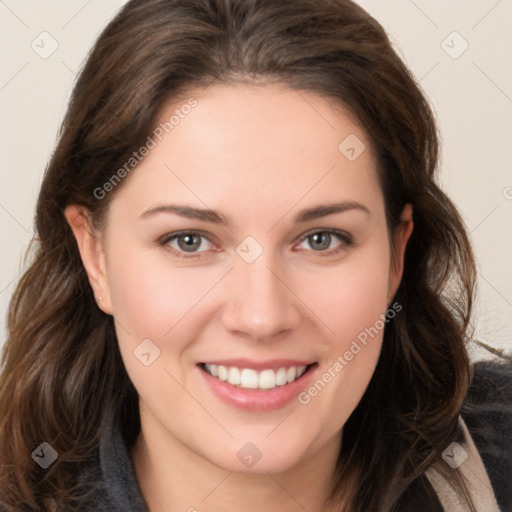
column 470, row 89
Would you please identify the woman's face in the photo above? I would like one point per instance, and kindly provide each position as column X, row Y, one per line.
column 292, row 271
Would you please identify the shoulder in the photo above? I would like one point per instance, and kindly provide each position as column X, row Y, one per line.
column 487, row 413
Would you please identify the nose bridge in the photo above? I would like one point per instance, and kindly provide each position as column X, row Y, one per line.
column 260, row 304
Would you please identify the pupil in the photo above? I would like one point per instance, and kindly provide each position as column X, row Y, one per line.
column 325, row 237
column 189, row 241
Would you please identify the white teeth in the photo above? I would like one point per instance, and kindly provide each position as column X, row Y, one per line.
column 251, row 379
column 223, row 373
column 281, row 377
column 267, row 379
column 248, row 379
column 234, row 375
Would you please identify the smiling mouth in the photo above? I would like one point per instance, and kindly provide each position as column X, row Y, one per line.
column 248, row 378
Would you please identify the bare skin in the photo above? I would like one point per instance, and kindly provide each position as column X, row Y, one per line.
column 258, row 156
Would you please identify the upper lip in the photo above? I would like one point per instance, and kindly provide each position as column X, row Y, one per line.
column 273, row 364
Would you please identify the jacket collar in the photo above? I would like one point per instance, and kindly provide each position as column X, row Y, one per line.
column 118, row 472
column 464, row 456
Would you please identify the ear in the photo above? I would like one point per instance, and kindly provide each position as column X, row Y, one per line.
column 91, row 251
column 401, row 237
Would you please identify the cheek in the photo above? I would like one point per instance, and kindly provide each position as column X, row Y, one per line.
column 150, row 293
column 353, row 305
column 152, row 300
column 352, row 297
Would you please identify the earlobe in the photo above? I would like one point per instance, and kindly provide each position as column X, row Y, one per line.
column 401, row 237
column 91, row 252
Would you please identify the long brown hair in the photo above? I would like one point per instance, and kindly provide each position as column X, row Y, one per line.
column 62, row 370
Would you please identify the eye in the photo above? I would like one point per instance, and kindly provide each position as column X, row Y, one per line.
column 185, row 244
column 322, row 240
column 189, row 244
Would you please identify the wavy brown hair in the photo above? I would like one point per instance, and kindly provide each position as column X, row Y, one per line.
column 62, row 373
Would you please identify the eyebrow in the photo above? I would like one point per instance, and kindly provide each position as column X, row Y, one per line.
column 215, row 217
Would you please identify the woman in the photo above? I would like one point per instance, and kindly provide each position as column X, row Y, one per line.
column 244, row 275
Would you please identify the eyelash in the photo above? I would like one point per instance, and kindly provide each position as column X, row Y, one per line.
column 344, row 237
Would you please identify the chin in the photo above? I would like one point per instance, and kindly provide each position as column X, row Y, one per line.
column 260, row 455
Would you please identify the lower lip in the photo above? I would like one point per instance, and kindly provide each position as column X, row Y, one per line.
column 255, row 399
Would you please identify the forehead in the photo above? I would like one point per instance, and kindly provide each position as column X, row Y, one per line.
column 246, row 147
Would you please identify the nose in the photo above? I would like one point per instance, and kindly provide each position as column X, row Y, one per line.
column 261, row 303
